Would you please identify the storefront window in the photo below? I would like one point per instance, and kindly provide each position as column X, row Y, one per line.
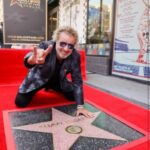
column 93, row 21
column 99, row 30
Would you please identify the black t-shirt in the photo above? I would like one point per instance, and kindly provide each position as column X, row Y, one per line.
column 54, row 81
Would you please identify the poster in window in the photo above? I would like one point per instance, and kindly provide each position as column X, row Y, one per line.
column 25, row 21
column 131, row 45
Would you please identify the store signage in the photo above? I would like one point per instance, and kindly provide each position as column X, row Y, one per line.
column 25, row 21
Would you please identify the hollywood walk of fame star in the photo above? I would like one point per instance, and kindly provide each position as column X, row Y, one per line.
column 77, row 126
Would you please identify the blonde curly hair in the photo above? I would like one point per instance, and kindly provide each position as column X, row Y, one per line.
column 65, row 29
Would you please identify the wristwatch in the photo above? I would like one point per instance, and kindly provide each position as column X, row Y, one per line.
column 80, row 106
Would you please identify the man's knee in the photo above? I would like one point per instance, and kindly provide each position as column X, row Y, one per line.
column 22, row 100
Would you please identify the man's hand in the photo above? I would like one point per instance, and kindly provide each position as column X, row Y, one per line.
column 85, row 112
column 39, row 55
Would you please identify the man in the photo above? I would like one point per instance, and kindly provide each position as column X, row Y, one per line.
column 49, row 67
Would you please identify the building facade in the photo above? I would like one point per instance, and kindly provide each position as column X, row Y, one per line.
column 114, row 34
column 85, row 17
column 93, row 21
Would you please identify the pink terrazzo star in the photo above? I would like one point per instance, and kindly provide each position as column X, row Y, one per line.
column 62, row 139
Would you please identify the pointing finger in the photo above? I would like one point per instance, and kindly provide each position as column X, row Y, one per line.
column 35, row 51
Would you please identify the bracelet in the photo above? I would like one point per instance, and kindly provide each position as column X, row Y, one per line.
column 80, row 106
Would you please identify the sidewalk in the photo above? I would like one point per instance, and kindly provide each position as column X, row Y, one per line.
column 129, row 90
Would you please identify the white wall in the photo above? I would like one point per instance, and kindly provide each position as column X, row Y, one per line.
column 74, row 13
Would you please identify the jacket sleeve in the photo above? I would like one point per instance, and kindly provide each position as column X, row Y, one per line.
column 25, row 60
column 44, row 45
column 77, row 80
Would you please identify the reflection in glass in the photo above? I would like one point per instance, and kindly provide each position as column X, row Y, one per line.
column 94, row 21
column 100, row 26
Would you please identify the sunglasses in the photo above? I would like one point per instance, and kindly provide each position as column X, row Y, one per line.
column 63, row 44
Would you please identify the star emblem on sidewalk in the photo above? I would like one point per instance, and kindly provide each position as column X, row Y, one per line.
column 67, row 129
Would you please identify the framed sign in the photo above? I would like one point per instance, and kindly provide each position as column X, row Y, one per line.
column 25, row 21
column 131, row 45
